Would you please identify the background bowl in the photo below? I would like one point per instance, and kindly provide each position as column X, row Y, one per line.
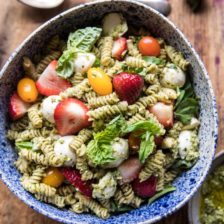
column 86, row 15
column 194, row 204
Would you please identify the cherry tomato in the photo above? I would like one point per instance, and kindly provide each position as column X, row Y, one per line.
column 134, row 140
column 164, row 113
column 53, row 178
column 100, row 81
column 27, row 90
column 149, row 46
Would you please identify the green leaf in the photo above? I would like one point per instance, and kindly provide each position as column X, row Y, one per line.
column 166, row 190
column 187, row 105
column 146, row 147
column 24, row 145
column 97, row 63
column 84, row 39
column 65, row 66
column 100, row 150
column 134, row 70
column 149, row 125
column 154, row 60
column 183, row 164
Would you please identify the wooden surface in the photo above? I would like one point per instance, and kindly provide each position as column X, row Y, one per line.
column 205, row 30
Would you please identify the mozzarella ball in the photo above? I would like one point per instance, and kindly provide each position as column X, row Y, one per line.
column 62, row 148
column 83, row 62
column 173, row 77
column 184, row 143
column 106, row 187
column 120, row 152
column 48, row 106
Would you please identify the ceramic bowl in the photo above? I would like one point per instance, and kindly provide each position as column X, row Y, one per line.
column 86, row 15
column 194, row 204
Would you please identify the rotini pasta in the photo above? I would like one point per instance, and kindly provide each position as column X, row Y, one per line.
column 35, row 116
column 29, row 68
column 106, row 59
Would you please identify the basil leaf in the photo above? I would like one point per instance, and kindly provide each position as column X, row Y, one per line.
column 166, row 190
column 139, row 71
column 84, row 39
column 65, row 66
column 24, row 145
column 97, row 63
column 146, row 147
column 154, row 60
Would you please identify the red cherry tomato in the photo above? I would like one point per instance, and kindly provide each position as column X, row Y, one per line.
column 149, row 46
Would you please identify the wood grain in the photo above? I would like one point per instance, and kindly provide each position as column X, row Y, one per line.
column 205, row 30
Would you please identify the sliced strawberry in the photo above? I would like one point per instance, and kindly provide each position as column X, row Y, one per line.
column 128, row 86
column 164, row 113
column 146, row 188
column 50, row 83
column 130, row 169
column 17, row 107
column 70, row 116
column 119, row 48
column 74, row 177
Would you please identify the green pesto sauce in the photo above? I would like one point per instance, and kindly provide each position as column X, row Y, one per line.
column 212, row 198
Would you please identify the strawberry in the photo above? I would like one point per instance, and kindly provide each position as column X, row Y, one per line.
column 74, row 177
column 70, row 116
column 17, row 107
column 49, row 83
column 146, row 188
column 128, row 86
column 130, row 169
column 119, row 48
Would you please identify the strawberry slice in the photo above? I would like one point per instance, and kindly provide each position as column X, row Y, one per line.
column 49, row 83
column 70, row 116
column 130, row 169
column 128, row 86
column 17, row 107
column 146, row 188
column 74, row 177
column 119, row 48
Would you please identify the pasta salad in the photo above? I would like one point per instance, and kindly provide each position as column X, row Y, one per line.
column 104, row 121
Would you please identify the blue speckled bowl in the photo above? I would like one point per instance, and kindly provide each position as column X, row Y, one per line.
column 81, row 16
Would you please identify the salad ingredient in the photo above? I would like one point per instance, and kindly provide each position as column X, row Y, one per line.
column 17, row 107
column 187, row 105
column 114, row 24
column 120, row 152
column 100, row 81
column 70, row 116
column 27, row 90
column 128, row 86
column 164, row 113
column 48, row 107
column 119, row 48
column 24, row 145
column 173, row 77
column 83, row 62
column 106, row 187
column 74, row 177
column 149, row 46
column 145, row 188
column 130, row 169
column 134, row 140
column 61, row 148
column 53, row 177
column 49, row 83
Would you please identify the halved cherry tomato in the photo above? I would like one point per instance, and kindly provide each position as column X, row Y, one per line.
column 27, row 90
column 149, row 46
column 100, row 81
column 134, row 140
column 53, row 178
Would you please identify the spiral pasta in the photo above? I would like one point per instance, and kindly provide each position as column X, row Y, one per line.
column 65, row 190
column 35, row 116
column 37, row 175
column 169, row 176
column 152, row 89
column 54, row 43
column 151, row 78
column 20, row 125
column 106, row 59
column 132, row 49
column 29, row 68
column 135, row 62
column 82, row 166
column 23, row 165
column 77, row 78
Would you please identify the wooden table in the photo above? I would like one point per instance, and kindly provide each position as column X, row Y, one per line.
column 205, row 30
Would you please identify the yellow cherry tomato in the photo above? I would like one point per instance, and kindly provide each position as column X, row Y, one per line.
column 53, row 178
column 27, row 90
column 100, row 81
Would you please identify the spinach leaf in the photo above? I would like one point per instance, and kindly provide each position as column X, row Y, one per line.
column 154, row 60
column 24, row 145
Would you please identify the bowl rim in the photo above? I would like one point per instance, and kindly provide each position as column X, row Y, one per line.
column 192, row 51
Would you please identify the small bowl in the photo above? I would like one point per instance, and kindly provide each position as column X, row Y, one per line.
column 194, row 204
column 86, row 15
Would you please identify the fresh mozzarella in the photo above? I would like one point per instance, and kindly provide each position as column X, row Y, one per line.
column 83, row 62
column 173, row 77
column 48, row 106
column 106, row 187
column 120, row 152
column 62, row 148
column 184, row 143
